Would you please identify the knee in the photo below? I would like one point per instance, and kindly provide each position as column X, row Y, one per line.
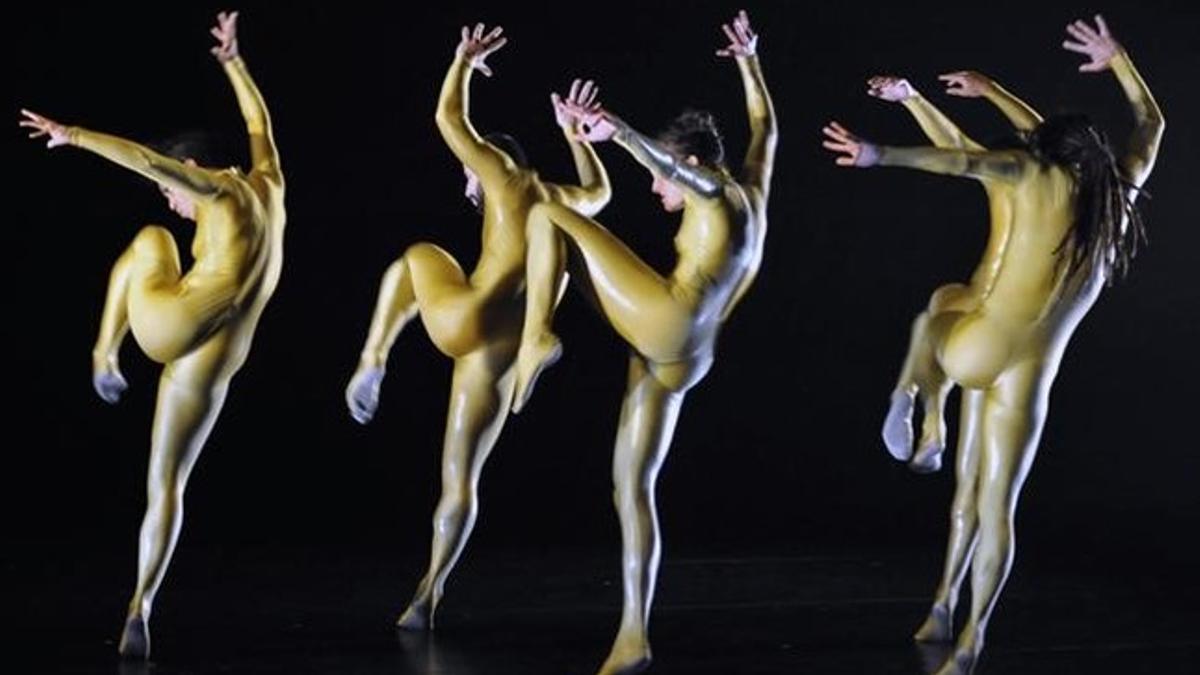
column 154, row 241
column 421, row 252
column 635, row 494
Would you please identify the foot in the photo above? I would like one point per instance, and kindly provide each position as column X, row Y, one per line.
column 937, row 627
column 961, row 663
column 418, row 617
column 532, row 359
column 107, row 379
column 929, row 458
column 362, row 394
column 629, row 655
column 135, row 639
column 966, row 653
column 897, row 427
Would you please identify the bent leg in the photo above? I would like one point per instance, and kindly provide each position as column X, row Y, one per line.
column 417, row 281
column 171, row 315
column 107, row 379
column 637, row 301
column 479, row 401
column 922, row 375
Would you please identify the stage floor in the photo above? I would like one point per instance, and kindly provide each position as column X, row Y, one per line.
column 235, row 611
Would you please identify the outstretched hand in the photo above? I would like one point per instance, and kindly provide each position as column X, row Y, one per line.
column 226, row 34
column 55, row 133
column 579, row 105
column 890, row 88
column 743, row 41
column 854, row 150
column 1097, row 44
column 966, row 83
column 476, row 47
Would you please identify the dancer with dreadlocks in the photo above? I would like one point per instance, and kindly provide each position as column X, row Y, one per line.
column 1066, row 204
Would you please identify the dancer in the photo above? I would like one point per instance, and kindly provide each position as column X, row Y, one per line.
column 671, row 323
column 474, row 320
column 1066, row 206
column 199, row 324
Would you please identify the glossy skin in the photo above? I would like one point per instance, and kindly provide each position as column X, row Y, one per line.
column 476, row 319
column 199, row 324
column 1002, row 337
column 671, row 323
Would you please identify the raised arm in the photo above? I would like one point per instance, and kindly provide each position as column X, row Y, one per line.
column 764, row 129
column 197, row 182
column 264, row 158
column 594, row 191
column 970, row 84
column 604, row 126
column 942, row 132
column 453, row 120
column 1002, row 166
column 1106, row 53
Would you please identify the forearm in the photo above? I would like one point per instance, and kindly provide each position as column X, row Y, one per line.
column 593, row 178
column 942, row 132
column 654, row 157
column 1019, row 113
column 249, row 98
column 764, row 130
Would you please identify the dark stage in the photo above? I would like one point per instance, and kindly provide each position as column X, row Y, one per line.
column 793, row 543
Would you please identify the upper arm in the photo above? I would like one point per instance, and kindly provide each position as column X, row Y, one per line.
column 198, row 182
column 1002, row 166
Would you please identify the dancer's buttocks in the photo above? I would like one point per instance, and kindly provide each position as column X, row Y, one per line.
column 978, row 348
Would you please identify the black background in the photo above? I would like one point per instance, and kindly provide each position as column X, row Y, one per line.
column 777, row 450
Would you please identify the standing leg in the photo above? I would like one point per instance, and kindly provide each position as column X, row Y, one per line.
column 479, row 401
column 1014, row 414
column 422, row 267
column 648, row 417
column 189, row 400
column 964, row 521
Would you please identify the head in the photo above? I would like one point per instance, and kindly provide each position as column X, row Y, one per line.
column 194, row 149
column 1107, row 225
column 506, row 144
column 693, row 137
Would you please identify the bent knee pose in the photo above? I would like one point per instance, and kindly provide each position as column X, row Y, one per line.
column 198, row 323
column 920, row 373
column 1065, row 206
column 671, row 323
column 476, row 319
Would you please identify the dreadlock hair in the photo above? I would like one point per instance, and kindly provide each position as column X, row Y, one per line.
column 1102, row 202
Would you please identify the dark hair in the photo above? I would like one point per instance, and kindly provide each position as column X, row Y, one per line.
column 199, row 146
column 1102, row 202
column 509, row 146
column 694, row 132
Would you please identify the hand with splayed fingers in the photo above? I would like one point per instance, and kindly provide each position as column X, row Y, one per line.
column 1097, row 44
column 226, row 34
column 854, row 150
column 476, row 46
column 55, row 133
column 743, row 41
column 579, row 105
